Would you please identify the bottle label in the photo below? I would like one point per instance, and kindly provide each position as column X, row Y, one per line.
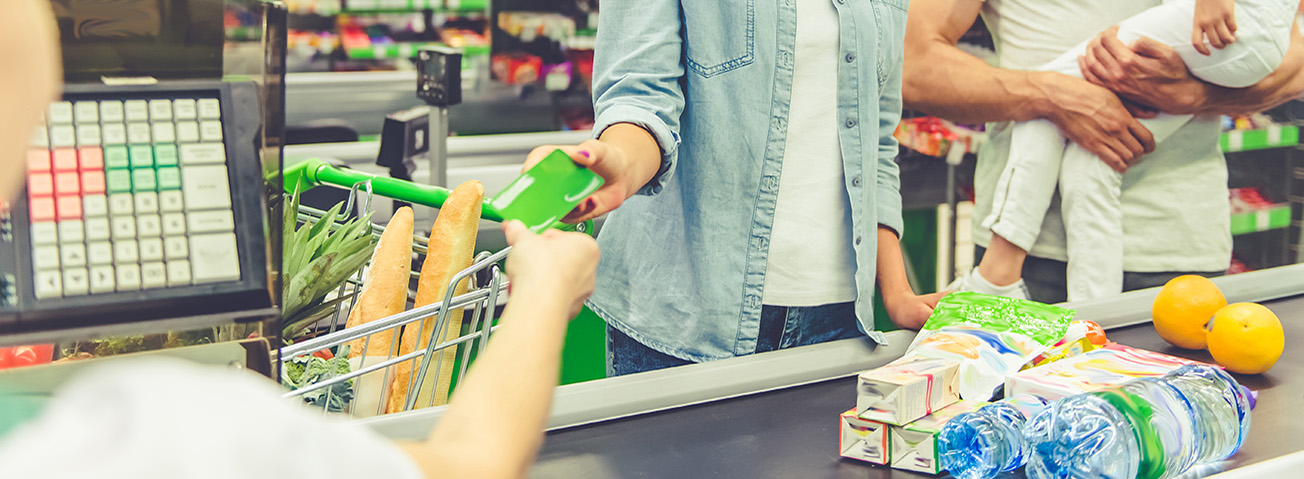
column 1138, row 413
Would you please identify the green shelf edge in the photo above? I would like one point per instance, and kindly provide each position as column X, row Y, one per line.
column 1245, row 223
column 1258, row 139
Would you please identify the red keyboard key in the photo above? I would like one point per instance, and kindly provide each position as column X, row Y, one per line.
column 42, row 209
column 67, row 183
column 65, row 159
column 92, row 158
column 92, row 182
column 40, row 184
column 38, row 161
column 70, row 207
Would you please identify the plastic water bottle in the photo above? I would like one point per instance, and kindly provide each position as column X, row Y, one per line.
column 1149, row 428
column 989, row 441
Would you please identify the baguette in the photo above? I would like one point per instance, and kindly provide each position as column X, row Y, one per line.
column 451, row 250
column 384, row 286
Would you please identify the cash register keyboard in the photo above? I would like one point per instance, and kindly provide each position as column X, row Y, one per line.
column 130, row 194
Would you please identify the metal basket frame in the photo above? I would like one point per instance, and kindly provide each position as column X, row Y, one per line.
column 486, row 285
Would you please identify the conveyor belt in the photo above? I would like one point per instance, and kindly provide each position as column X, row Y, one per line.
column 792, row 433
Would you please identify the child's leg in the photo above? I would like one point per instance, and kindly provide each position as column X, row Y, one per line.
column 1023, row 194
column 1262, row 37
column 1089, row 192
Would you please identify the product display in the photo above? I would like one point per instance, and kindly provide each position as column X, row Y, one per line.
column 906, row 390
column 1149, row 428
column 914, row 446
column 862, row 439
column 1108, row 366
column 989, row 441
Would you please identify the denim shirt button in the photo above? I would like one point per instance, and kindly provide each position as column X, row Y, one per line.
column 858, row 238
column 855, row 181
column 770, row 183
column 851, row 122
column 851, row 57
column 753, row 301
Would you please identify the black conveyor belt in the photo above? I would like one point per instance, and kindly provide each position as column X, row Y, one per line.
column 793, row 433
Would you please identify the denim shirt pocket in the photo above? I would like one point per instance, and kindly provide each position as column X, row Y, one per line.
column 890, row 18
column 719, row 35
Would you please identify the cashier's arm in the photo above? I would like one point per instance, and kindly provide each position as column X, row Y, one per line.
column 495, row 421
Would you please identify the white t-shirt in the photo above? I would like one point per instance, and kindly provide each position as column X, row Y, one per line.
column 156, row 418
column 811, row 260
column 1175, row 210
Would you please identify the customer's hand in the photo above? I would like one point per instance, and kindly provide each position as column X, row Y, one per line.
column 1148, row 72
column 625, row 171
column 909, row 310
column 554, row 264
column 1097, row 119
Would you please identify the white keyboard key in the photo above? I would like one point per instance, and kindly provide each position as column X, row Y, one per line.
column 178, row 273
column 128, row 277
column 137, row 110
column 146, row 202
column 75, row 282
column 183, row 109
column 114, row 134
column 125, row 252
column 202, row 154
column 174, row 224
column 151, row 249
column 95, row 206
column 49, row 284
column 62, row 135
column 153, row 275
column 176, row 247
column 170, row 201
column 86, row 112
column 88, row 135
column 205, row 187
column 160, row 110
column 111, row 111
column 210, row 221
column 97, row 229
column 209, row 109
column 70, row 231
column 213, row 258
column 187, row 132
column 60, row 113
column 148, row 225
column 102, row 279
column 120, row 204
column 124, row 228
column 99, row 252
column 164, row 132
column 40, row 137
column 45, row 257
column 210, row 131
column 138, row 133
column 72, row 255
column 45, row 232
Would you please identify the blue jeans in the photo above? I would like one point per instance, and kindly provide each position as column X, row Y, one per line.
column 781, row 328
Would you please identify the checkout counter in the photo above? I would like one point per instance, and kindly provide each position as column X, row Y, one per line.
column 776, row 414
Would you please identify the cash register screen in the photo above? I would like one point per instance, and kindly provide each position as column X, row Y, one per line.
column 166, row 39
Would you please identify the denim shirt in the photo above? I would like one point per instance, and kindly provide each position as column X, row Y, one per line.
column 683, row 262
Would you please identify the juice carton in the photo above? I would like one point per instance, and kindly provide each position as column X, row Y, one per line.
column 862, row 439
column 1110, row 365
column 904, row 391
column 914, row 446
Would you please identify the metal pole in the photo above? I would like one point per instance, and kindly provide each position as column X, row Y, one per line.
column 438, row 146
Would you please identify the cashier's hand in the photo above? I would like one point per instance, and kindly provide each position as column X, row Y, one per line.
column 909, row 310
column 554, row 264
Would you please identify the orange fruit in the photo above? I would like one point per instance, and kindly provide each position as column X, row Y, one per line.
column 1184, row 307
column 1246, row 338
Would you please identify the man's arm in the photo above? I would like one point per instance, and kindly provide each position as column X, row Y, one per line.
column 942, row 80
column 1152, row 73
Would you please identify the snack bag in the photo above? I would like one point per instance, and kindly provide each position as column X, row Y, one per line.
column 992, row 337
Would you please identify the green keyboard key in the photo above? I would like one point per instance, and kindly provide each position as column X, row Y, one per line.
column 142, row 156
column 119, row 181
column 165, row 154
column 169, row 178
column 143, row 180
column 116, row 157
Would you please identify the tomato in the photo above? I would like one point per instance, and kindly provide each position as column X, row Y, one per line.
column 19, row 356
column 324, row 354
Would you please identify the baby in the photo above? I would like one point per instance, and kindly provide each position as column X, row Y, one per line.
column 1249, row 40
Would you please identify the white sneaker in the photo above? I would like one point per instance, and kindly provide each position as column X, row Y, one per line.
column 977, row 283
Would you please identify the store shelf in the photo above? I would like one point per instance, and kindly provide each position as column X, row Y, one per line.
column 1260, row 139
column 396, row 51
column 1276, row 217
column 403, row 6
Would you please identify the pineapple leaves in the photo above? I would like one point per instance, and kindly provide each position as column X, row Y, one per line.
column 319, row 257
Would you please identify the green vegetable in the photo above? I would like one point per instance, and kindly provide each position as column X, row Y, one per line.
column 316, row 259
column 307, row 370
